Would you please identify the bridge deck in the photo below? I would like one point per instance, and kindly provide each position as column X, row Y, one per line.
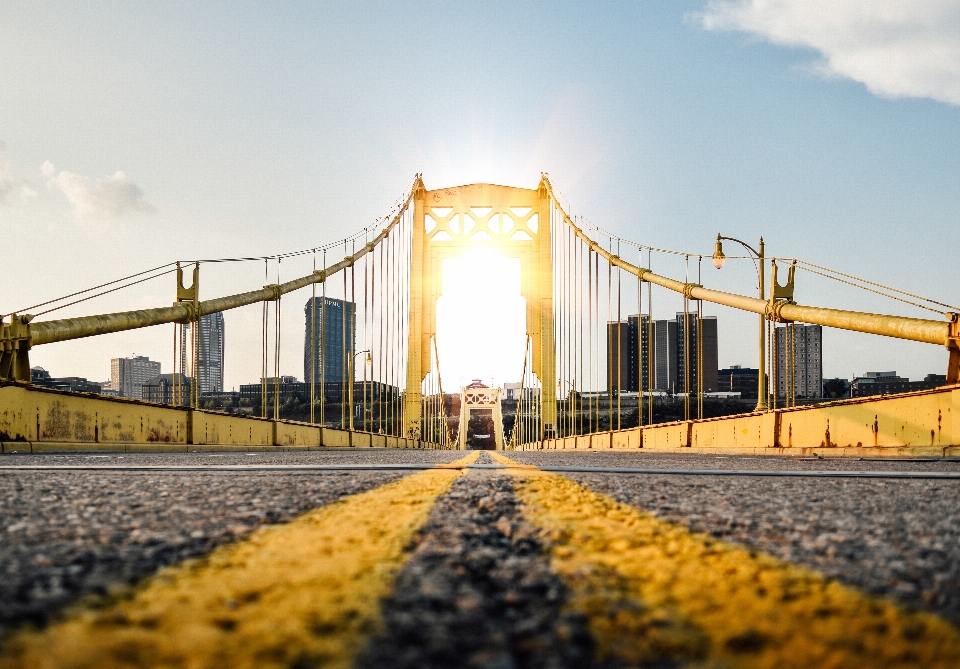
column 282, row 559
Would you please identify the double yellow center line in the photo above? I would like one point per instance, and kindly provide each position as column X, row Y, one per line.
column 306, row 593
column 654, row 592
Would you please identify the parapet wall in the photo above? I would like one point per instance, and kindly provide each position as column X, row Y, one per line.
column 34, row 420
column 920, row 424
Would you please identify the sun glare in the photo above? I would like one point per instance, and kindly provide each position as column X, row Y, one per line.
column 481, row 319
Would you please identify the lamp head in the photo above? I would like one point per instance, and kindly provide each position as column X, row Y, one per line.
column 718, row 257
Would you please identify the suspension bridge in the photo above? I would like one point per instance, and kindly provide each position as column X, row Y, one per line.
column 169, row 534
column 573, row 287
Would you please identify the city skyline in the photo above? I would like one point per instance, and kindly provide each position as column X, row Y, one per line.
column 136, row 136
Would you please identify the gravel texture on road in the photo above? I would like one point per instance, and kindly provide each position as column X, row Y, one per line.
column 640, row 459
column 890, row 537
column 64, row 535
column 478, row 591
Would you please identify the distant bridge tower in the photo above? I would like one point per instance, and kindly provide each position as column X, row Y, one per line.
column 475, row 397
column 446, row 224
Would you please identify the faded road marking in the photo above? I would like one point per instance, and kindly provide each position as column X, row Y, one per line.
column 655, row 592
column 306, row 593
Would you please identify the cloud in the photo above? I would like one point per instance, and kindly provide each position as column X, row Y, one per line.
column 897, row 48
column 98, row 199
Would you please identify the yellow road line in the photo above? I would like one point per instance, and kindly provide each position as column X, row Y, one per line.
column 305, row 593
column 653, row 590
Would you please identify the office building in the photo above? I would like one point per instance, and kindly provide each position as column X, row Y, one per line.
column 209, row 353
column 665, row 355
column 737, row 379
column 639, row 353
column 888, row 383
column 329, row 348
column 806, row 357
column 163, row 389
column 75, row 384
column 705, row 334
column 618, row 356
column 127, row 375
column 628, row 354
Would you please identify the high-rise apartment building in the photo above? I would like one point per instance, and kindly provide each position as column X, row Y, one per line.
column 665, row 355
column 618, row 356
column 329, row 341
column 209, row 353
column 701, row 341
column 639, row 352
column 628, row 354
column 806, row 356
column 127, row 375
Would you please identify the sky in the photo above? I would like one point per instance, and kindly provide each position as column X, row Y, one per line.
column 135, row 134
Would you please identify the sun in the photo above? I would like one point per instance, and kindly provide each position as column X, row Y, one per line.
column 481, row 319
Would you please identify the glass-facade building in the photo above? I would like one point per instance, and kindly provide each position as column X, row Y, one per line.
column 210, row 352
column 329, row 347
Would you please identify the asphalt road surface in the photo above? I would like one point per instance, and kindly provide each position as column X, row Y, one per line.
column 478, row 586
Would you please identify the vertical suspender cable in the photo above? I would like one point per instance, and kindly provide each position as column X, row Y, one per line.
column 619, row 348
column 344, row 317
column 351, row 369
column 609, row 314
column 265, row 343
column 590, row 338
column 639, row 349
column 686, row 347
column 774, row 362
column 699, row 346
column 651, row 345
column 323, row 346
column 276, row 352
column 313, row 344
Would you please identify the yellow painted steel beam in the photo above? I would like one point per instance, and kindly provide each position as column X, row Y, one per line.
column 306, row 593
column 655, row 593
column 901, row 327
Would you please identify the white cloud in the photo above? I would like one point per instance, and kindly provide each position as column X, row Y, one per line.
column 897, row 48
column 98, row 199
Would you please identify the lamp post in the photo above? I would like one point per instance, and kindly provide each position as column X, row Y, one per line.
column 718, row 261
column 350, row 388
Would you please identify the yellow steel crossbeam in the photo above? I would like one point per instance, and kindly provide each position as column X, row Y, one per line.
column 901, row 327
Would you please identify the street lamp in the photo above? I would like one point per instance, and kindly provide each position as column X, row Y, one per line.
column 350, row 387
column 718, row 261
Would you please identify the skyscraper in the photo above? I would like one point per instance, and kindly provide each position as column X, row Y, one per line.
column 639, row 352
column 628, row 354
column 707, row 333
column 618, row 356
column 127, row 375
column 665, row 355
column 329, row 348
column 209, row 353
column 806, row 356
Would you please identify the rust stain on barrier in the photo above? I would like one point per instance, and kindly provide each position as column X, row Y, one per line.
column 81, row 426
column 57, row 425
column 160, row 433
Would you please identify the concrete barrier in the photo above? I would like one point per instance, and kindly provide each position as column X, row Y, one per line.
column 35, row 419
column 218, row 429
column 41, row 415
